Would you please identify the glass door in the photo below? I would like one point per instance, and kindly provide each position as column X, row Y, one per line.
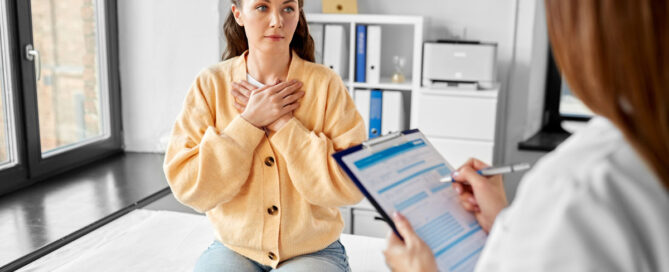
column 66, row 56
column 65, row 74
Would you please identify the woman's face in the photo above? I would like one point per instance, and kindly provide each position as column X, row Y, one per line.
column 269, row 24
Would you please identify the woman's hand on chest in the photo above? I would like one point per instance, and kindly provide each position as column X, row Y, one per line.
column 271, row 106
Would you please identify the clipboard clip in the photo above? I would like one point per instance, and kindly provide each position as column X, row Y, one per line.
column 382, row 142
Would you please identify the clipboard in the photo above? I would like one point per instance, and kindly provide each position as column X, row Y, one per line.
column 377, row 143
column 400, row 172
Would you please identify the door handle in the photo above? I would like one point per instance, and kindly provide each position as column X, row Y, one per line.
column 33, row 55
column 379, row 218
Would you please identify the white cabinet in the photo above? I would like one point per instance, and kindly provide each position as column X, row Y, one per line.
column 461, row 117
column 369, row 223
column 457, row 151
column 459, row 123
column 362, row 219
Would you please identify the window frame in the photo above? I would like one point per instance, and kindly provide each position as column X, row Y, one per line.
column 15, row 175
column 32, row 167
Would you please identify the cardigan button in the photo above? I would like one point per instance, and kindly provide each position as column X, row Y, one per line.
column 272, row 210
column 271, row 256
column 269, row 161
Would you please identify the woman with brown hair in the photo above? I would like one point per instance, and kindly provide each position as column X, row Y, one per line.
column 599, row 202
column 251, row 147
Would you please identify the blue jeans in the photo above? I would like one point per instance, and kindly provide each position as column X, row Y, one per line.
column 219, row 258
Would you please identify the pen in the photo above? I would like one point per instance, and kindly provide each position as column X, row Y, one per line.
column 495, row 171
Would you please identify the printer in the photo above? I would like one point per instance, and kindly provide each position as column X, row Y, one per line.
column 459, row 64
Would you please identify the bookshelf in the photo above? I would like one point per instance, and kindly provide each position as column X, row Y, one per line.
column 387, row 22
column 400, row 36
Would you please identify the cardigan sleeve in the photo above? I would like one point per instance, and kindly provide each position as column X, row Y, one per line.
column 204, row 166
column 313, row 171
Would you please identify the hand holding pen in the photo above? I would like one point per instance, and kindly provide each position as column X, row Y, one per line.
column 491, row 171
column 484, row 196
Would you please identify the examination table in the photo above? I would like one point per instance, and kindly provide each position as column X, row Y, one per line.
column 146, row 240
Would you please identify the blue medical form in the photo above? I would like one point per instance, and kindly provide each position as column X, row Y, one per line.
column 401, row 172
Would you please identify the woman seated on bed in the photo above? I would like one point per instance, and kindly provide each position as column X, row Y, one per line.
column 251, row 147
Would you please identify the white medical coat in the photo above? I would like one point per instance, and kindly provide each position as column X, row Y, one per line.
column 591, row 205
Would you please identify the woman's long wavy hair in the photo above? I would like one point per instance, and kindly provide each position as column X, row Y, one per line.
column 615, row 56
column 302, row 42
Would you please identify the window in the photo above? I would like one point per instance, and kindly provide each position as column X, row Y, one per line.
column 559, row 105
column 69, row 90
column 66, row 62
column 4, row 125
column 10, row 159
column 4, row 143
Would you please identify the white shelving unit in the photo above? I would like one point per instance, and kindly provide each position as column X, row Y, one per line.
column 362, row 219
column 352, row 20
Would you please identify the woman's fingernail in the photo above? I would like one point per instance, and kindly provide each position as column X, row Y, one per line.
column 471, row 200
column 458, row 189
column 455, row 174
column 396, row 215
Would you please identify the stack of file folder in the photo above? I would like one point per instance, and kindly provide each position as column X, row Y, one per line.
column 382, row 111
column 331, row 50
column 368, row 54
column 331, row 45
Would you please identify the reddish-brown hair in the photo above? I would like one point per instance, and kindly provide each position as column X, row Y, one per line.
column 614, row 54
column 237, row 43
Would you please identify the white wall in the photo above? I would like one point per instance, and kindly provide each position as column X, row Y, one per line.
column 163, row 44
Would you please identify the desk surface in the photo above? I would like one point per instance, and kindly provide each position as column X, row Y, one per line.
column 43, row 214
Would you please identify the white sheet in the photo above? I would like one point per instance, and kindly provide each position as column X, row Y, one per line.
column 145, row 240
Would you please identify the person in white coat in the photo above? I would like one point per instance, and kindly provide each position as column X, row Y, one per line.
column 600, row 201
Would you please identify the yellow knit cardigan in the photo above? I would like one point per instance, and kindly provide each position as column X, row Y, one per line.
column 270, row 197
